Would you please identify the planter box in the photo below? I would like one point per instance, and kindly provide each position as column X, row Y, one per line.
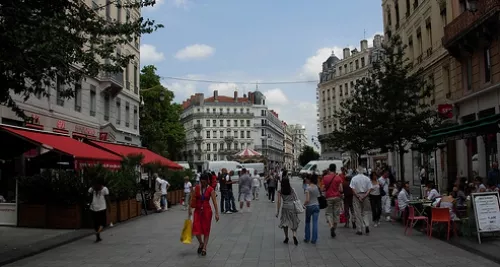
column 34, row 216
column 132, row 208
column 113, row 213
column 64, row 217
column 139, row 208
column 179, row 196
column 123, row 210
column 170, row 197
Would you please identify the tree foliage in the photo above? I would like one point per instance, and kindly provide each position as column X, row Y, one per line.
column 59, row 41
column 161, row 129
column 389, row 109
column 307, row 155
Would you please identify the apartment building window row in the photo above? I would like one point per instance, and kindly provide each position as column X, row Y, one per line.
column 228, row 111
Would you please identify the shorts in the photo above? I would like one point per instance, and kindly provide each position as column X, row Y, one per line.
column 333, row 209
column 246, row 196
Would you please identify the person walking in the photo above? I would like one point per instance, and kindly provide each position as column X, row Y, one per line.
column 312, row 209
column 348, row 205
column 271, row 186
column 375, row 199
column 157, row 196
column 333, row 193
column 256, row 187
column 230, row 202
column 187, row 192
column 98, row 206
column 384, row 182
column 361, row 187
column 202, row 218
column 289, row 219
column 224, row 198
column 245, row 186
column 164, row 185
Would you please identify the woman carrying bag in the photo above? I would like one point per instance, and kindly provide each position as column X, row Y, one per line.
column 202, row 219
column 289, row 214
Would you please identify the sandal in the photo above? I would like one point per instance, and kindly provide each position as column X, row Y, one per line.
column 200, row 248
column 204, row 252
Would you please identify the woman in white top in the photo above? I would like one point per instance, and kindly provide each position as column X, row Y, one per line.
column 375, row 199
column 98, row 206
column 432, row 192
column 187, row 192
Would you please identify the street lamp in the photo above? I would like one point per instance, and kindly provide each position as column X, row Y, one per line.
column 472, row 5
column 162, row 95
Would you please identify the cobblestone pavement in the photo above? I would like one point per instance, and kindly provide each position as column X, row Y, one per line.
column 252, row 239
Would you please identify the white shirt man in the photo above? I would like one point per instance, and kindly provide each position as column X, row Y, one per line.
column 361, row 187
column 384, row 182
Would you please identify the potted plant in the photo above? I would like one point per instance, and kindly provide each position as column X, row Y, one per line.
column 33, row 199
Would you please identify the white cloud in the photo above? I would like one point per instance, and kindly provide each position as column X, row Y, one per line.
column 276, row 97
column 196, row 51
column 313, row 65
column 149, row 54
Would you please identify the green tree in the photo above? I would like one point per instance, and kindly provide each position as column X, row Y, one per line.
column 307, row 155
column 161, row 129
column 390, row 108
column 60, row 42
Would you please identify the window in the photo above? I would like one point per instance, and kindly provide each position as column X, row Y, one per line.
column 209, row 146
column 345, row 68
column 214, row 110
column 357, row 63
column 408, row 8
column 362, row 62
column 207, row 134
column 341, row 90
column 340, row 70
column 78, row 96
column 487, row 65
column 410, row 49
column 214, row 146
column 248, row 111
column 241, row 111
column 419, row 42
column 221, row 146
column 248, row 134
column 214, row 123
column 208, row 110
column 242, row 134
column 93, row 101
column 248, row 123
column 235, row 134
column 221, row 123
column 389, row 19
column 221, row 110
column 242, row 123
column 221, row 134
column 235, row 122
column 235, row 111
column 127, row 114
column 468, row 73
column 227, row 110
column 396, row 8
column 136, row 117
column 228, row 123
column 59, row 90
column 127, row 78
column 118, row 111
column 446, row 80
column 262, row 132
column 207, row 123
column 106, row 107
column 350, row 66
column 136, row 79
column 428, row 27
column 444, row 18
column 214, row 134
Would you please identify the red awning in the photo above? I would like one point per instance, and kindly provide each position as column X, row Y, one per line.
column 83, row 154
column 149, row 156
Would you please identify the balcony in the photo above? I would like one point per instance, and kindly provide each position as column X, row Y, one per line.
column 198, row 127
column 457, row 33
column 112, row 82
column 229, row 139
column 198, row 139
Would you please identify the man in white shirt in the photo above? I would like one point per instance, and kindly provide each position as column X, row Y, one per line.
column 384, row 182
column 361, row 187
column 187, row 192
column 157, row 195
column 164, row 186
column 404, row 199
column 256, row 187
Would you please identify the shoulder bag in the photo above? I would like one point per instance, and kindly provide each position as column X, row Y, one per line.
column 297, row 204
column 322, row 199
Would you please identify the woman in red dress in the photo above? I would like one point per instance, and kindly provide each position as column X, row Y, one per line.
column 202, row 219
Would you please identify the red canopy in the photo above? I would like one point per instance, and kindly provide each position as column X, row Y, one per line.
column 126, row 150
column 83, row 154
column 248, row 152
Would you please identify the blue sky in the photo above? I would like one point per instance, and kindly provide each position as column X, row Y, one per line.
column 258, row 40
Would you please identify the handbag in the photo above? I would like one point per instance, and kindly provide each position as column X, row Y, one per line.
column 382, row 191
column 322, row 199
column 186, row 234
column 297, row 204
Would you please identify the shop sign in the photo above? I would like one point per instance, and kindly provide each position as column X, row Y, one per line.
column 61, row 124
column 85, row 130
column 33, row 119
column 103, row 136
column 446, row 111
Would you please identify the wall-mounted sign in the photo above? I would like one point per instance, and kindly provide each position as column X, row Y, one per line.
column 446, row 111
column 61, row 124
column 85, row 130
column 103, row 136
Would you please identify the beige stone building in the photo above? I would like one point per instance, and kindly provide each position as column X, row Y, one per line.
column 104, row 107
column 288, row 147
column 337, row 82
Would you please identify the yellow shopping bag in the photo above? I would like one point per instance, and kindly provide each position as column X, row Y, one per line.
column 186, row 234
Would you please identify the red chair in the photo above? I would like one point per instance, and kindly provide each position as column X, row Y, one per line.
column 441, row 215
column 412, row 218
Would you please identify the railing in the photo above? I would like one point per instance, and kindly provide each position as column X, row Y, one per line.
column 468, row 20
column 116, row 78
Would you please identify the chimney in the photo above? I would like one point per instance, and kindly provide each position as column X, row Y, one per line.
column 364, row 45
column 347, row 52
column 235, row 96
column 216, row 96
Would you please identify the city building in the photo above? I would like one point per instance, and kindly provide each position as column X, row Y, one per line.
column 288, row 147
column 470, row 145
column 299, row 138
column 337, row 82
column 219, row 126
column 104, row 107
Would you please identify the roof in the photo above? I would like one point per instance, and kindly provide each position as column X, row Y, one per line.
column 62, row 143
column 227, row 99
column 126, row 150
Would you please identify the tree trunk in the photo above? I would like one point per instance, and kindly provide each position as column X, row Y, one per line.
column 401, row 165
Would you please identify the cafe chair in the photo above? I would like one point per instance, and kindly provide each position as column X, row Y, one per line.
column 397, row 212
column 412, row 219
column 441, row 215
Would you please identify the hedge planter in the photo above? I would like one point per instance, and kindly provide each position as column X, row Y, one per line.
column 64, row 217
column 132, row 208
column 31, row 215
column 170, row 197
column 112, row 216
column 180, row 196
column 123, row 210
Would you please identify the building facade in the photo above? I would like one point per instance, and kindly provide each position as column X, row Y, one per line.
column 271, row 137
column 288, row 147
column 337, row 82
column 104, row 107
column 299, row 138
